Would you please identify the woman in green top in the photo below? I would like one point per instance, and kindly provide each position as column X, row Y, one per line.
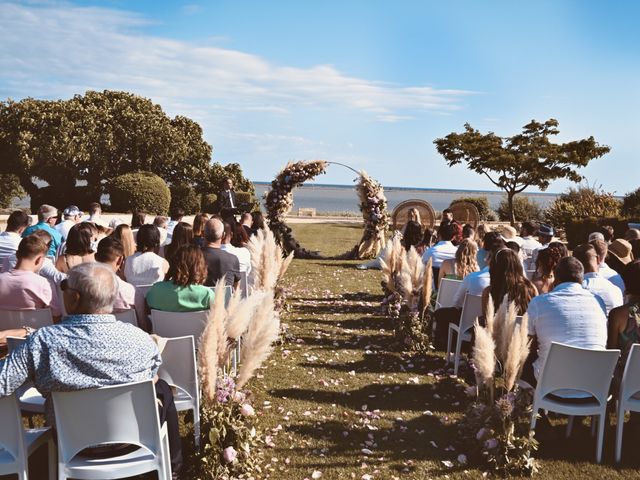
column 183, row 290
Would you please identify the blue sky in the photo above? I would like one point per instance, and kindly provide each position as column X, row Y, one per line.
column 366, row 83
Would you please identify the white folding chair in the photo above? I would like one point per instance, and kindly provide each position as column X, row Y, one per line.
column 244, row 283
column 127, row 316
column 569, row 371
column 447, row 292
column 471, row 309
column 179, row 369
column 139, row 302
column 179, row 324
column 10, row 319
column 17, row 444
column 629, row 398
column 30, row 399
column 109, row 415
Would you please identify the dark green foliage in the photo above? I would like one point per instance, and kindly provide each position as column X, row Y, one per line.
column 582, row 202
column 61, row 197
column 10, row 189
column 523, row 208
column 631, row 204
column 481, row 203
column 209, row 203
column 185, row 197
column 515, row 163
column 140, row 191
column 577, row 231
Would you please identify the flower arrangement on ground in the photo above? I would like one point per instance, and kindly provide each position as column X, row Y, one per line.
column 407, row 284
column 495, row 429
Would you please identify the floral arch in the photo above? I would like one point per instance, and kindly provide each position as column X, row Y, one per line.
column 373, row 205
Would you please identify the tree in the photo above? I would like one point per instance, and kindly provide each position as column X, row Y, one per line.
column 631, row 204
column 10, row 189
column 515, row 163
column 523, row 209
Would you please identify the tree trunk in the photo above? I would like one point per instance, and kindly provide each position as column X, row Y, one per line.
column 512, row 215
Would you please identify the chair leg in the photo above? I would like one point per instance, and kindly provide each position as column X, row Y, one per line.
column 52, row 456
column 619, row 431
column 534, row 418
column 602, row 418
column 196, row 428
column 447, row 357
column 569, row 427
column 458, row 350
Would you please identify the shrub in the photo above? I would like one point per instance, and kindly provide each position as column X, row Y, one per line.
column 209, row 203
column 580, row 203
column 185, row 197
column 10, row 189
column 481, row 203
column 523, row 208
column 63, row 197
column 140, row 191
column 631, row 204
column 577, row 231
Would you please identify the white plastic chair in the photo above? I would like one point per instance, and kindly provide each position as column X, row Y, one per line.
column 127, row 316
column 471, row 309
column 179, row 369
column 569, row 370
column 10, row 319
column 179, row 324
column 109, row 415
column 139, row 302
column 629, row 398
column 17, row 444
column 244, row 283
column 30, row 399
column 447, row 292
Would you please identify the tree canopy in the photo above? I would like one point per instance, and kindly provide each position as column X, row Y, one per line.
column 524, row 160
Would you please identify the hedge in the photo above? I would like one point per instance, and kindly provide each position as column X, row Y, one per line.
column 186, row 198
column 578, row 231
column 209, row 203
column 140, row 191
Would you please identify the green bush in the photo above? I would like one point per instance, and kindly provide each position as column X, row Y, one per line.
column 481, row 203
column 523, row 208
column 631, row 204
column 209, row 203
column 10, row 189
column 580, row 203
column 185, row 197
column 577, row 231
column 63, row 197
column 140, row 191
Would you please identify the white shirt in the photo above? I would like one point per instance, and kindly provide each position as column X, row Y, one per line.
column 244, row 257
column 603, row 288
column 64, row 227
column 473, row 284
column 529, row 244
column 440, row 252
column 9, row 242
column 614, row 277
column 568, row 314
column 144, row 268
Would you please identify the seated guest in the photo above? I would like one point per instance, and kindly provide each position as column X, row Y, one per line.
column 447, row 217
column 138, row 218
column 619, row 254
column 546, row 262
column 104, row 351
column 177, row 214
column 146, row 267
column 258, row 222
column 17, row 223
column 47, row 216
column 246, row 221
column 412, row 235
column 80, row 247
column 442, row 250
column 182, row 235
column 198, row 229
column 219, row 262
column 468, row 232
column 545, row 237
column 482, row 253
column 183, row 290
column 71, row 216
column 528, row 231
column 240, row 237
column 95, row 215
column 507, row 281
column 607, row 233
column 111, row 253
column 21, row 288
column 464, row 263
column 568, row 314
column 124, row 234
column 426, row 242
column 162, row 222
column 624, row 321
column 632, row 234
column 593, row 281
column 243, row 255
column 610, row 274
column 457, row 233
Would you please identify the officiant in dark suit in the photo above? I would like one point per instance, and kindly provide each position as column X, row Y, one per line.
column 227, row 201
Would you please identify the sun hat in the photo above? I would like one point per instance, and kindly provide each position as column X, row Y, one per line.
column 546, row 230
column 621, row 249
column 596, row 236
column 71, row 211
column 509, row 234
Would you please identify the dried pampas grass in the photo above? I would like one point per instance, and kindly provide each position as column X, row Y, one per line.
column 210, row 342
column 413, row 270
column 238, row 321
column 427, row 284
column 263, row 331
column 267, row 263
column 517, row 354
column 484, row 357
column 490, row 315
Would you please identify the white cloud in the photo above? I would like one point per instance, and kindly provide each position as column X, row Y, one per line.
column 59, row 50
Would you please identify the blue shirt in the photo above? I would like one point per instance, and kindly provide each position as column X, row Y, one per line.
column 83, row 351
column 56, row 238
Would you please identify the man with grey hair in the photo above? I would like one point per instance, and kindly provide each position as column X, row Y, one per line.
column 89, row 348
column 47, row 216
column 219, row 263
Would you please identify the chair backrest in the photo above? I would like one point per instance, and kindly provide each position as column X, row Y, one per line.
column 11, row 433
column 107, row 415
column 179, row 324
column 630, row 384
column 179, row 368
column 447, row 292
column 127, row 316
column 10, row 319
column 471, row 309
column 579, row 369
column 14, row 342
column 244, row 283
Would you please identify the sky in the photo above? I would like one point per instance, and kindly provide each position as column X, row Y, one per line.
column 367, row 83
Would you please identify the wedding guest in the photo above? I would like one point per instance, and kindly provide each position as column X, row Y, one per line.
column 457, row 233
column 47, row 216
column 529, row 244
column 442, row 250
column 610, row 274
column 17, row 223
column 240, row 237
column 546, row 262
column 412, row 234
column 182, row 235
column 469, row 232
column 183, row 290
column 247, row 222
column 619, row 254
column 243, row 255
column 177, row 214
column 545, row 237
column 71, row 216
column 426, row 242
column 124, row 235
column 146, row 267
column 508, row 282
column 632, row 234
column 138, row 218
column 447, row 216
column 198, row 229
column 624, row 321
column 111, row 253
column 161, row 222
column 593, row 281
column 219, row 263
column 607, row 233
column 635, row 248
column 81, row 245
column 95, row 215
column 464, row 263
column 258, row 222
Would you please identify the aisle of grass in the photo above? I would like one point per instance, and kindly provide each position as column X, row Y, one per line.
column 336, row 397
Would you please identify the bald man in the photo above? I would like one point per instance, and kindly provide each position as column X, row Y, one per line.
column 220, row 264
column 593, row 281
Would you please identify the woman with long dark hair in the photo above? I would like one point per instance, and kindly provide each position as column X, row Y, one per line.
column 508, row 280
column 182, row 235
column 146, row 267
column 80, row 247
column 198, row 229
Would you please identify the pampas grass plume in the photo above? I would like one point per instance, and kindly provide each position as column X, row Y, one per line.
column 484, row 357
column 208, row 352
column 427, row 284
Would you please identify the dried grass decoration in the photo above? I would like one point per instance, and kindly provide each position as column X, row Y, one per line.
column 278, row 202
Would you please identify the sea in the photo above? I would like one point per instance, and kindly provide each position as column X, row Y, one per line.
column 343, row 199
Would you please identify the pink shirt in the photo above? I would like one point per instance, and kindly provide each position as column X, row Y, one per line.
column 126, row 298
column 25, row 290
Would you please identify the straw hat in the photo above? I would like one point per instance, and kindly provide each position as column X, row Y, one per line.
column 509, row 234
column 621, row 249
